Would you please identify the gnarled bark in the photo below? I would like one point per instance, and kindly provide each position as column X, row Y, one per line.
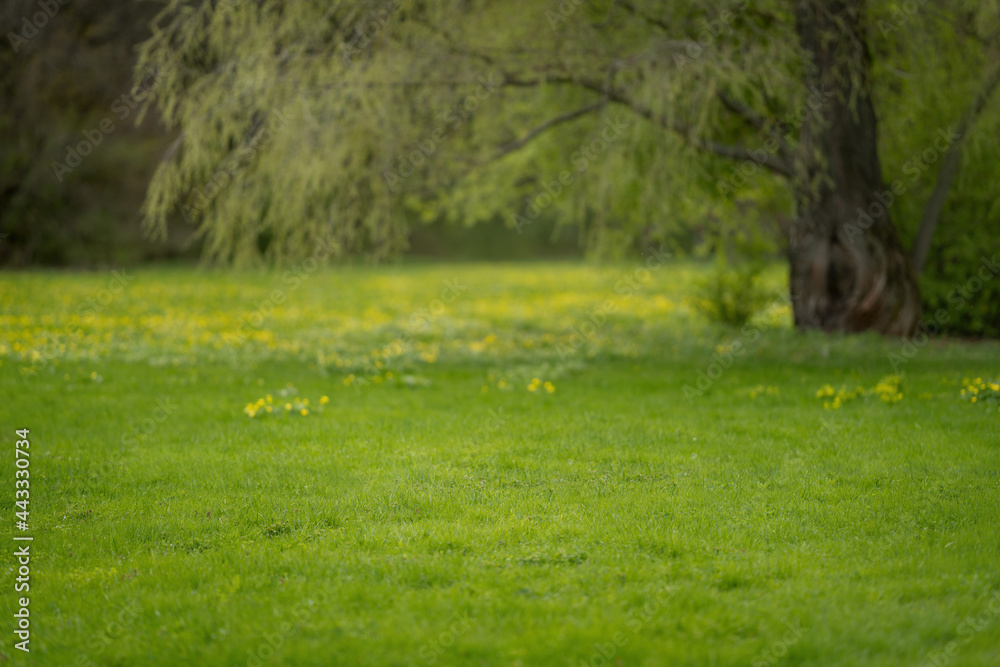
column 849, row 271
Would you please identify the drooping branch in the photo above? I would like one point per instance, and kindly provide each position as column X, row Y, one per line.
column 617, row 95
column 756, row 121
column 652, row 20
column 780, row 165
column 547, row 125
column 946, row 176
column 771, row 162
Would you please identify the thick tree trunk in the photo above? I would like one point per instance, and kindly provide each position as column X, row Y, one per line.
column 849, row 271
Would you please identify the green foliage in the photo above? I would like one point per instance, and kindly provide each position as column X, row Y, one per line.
column 732, row 294
column 961, row 276
column 736, row 287
column 952, row 284
column 57, row 88
column 395, row 128
column 928, row 90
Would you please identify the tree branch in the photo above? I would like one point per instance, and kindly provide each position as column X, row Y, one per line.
column 558, row 120
column 659, row 23
column 755, row 120
column 606, row 89
column 771, row 162
column 949, row 169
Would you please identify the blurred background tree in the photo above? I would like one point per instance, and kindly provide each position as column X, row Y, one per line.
column 370, row 125
column 62, row 68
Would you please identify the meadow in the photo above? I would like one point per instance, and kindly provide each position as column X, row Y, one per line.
column 487, row 464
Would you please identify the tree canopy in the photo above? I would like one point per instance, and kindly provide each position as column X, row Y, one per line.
column 351, row 121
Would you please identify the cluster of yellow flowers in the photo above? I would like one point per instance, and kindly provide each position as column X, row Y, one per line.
column 353, row 379
column 754, row 392
column 536, row 383
column 980, row 391
column 839, row 396
column 267, row 406
column 887, row 389
column 520, row 374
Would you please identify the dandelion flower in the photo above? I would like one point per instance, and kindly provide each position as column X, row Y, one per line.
column 549, row 387
column 288, row 406
column 323, row 400
column 303, row 412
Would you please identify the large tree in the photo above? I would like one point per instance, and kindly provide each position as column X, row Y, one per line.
column 341, row 123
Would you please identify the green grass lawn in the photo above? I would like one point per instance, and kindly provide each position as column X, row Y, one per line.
column 445, row 506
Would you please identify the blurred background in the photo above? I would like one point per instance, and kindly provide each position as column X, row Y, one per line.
column 68, row 74
column 63, row 82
